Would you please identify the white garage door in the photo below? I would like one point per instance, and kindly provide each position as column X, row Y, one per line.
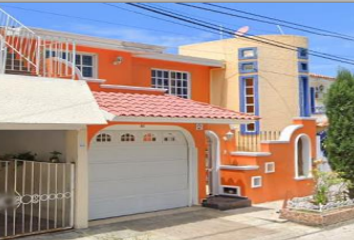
column 137, row 171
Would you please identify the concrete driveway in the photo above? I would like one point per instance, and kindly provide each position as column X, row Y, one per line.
column 258, row 222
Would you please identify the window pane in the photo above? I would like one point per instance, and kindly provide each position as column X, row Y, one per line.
column 249, row 100
column 78, row 59
column 303, row 52
column 247, row 66
column 87, row 71
column 248, row 53
column 165, row 74
column 250, row 109
column 159, row 73
column 251, row 127
column 249, row 82
column 87, row 60
column 249, row 91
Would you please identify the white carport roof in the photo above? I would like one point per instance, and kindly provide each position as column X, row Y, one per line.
column 37, row 101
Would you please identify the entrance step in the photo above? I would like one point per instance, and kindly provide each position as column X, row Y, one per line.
column 223, row 202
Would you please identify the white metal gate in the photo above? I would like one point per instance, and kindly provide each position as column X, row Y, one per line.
column 35, row 197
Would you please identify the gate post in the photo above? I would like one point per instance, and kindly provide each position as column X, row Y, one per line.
column 77, row 152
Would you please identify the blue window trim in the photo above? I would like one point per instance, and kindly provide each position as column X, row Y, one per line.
column 304, row 97
column 299, row 53
column 240, row 51
column 254, row 70
column 243, row 106
column 301, row 69
column 312, row 100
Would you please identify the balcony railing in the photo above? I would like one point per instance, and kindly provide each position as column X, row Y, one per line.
column 252, row 143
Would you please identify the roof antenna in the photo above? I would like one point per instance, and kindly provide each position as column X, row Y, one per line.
column 280, row 30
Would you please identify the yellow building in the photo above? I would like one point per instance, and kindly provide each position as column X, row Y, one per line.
column 258, row 78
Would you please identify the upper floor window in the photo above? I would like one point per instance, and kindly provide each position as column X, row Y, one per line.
column 84, row 62
column 247, row 53
column 248, row 67
column 175, row 82
column 303, row 67
column 249, row 102
column 304, row 96
column 302, row 53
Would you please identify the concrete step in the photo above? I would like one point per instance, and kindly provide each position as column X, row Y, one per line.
column 223, row 202
column 17, row 72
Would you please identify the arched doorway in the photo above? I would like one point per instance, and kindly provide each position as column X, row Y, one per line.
column 303, row 163
column 212, row 163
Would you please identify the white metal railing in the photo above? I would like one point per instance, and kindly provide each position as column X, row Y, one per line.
column 30, row 53
column 3, row 54
column 22, row 41
column 35, row 197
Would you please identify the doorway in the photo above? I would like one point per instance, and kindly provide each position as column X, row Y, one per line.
column 212, row 163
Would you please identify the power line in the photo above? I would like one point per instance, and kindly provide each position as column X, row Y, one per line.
column 118, row 24
column 222, row 23
column 90, row 19
column 253, row 38
column 166, row 20
column 266, row 22
column 282, row 21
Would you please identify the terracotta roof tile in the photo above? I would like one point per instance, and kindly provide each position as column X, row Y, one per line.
column 165, row 106
column 315, row 75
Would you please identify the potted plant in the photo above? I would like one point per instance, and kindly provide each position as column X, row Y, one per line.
column 54, row 158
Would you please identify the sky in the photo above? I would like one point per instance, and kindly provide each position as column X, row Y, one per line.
column 124, row 25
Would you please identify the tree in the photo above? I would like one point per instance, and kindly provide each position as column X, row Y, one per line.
column 340, row 139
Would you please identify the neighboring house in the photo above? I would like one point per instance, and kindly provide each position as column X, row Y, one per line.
column 319, row 86
column 259, row 79
column 133, row 125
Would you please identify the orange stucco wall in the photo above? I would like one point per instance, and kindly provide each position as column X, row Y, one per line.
column 136, row 71
column 282, row 183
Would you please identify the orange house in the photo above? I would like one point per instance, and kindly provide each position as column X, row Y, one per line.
column 148, row 140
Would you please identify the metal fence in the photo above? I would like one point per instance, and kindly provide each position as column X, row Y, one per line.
column 252, row 143
column 35, row 197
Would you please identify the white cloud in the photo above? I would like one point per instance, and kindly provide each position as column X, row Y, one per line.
column 141, row 35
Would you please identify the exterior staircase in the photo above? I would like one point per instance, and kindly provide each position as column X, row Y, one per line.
column 24, row 52
column 16, row 66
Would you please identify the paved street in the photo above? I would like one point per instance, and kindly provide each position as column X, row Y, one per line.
column 258, row 222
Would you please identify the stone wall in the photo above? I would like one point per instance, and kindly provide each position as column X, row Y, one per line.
column 318, row 219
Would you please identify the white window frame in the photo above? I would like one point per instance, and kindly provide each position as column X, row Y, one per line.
column 94, row 63
column 253, row 185
column 267, row 164
column 237, row 188
column 189, row 87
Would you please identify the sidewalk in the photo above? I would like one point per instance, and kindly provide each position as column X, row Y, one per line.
column 197, row 223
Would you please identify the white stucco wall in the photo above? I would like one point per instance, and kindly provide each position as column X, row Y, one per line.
column 41, row 142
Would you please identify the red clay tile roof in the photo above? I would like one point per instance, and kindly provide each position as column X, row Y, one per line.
column 165, row 106
column 315, row 75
